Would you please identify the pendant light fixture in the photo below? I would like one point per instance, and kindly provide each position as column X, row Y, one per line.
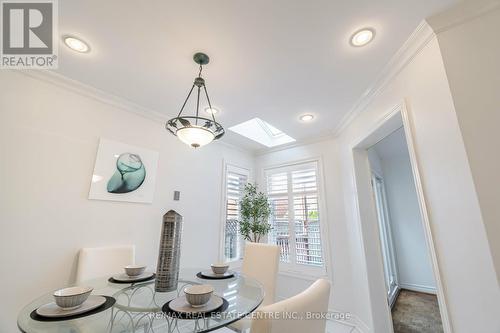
column 196, row 131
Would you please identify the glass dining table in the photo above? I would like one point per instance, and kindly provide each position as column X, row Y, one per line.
column 138, row 307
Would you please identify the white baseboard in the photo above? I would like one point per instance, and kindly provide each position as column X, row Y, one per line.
column 360, row 325
column 418, row 288
column 352, row 321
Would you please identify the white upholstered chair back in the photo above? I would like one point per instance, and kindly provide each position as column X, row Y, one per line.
column 261, row 262
column 102, row 261
column 313, row 300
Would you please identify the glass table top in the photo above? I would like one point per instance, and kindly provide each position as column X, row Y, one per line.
column 138, row 307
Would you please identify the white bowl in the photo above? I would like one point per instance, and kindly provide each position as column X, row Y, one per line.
column 199, row 294
column 220, row 268
column 72, row 298
column 134, row 270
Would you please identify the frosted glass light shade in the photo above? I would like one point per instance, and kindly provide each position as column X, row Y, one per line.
column 195, row 136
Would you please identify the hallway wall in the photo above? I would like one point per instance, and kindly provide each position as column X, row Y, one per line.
column 452, row 203
column 470, row 56
column 390, row 160
column 412, row 254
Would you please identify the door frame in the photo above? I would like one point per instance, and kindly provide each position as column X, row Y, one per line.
column 366, row 216
column 387, row 233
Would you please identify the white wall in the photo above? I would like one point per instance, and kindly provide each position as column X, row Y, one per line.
column 48, row 142
column 470, row 58
column 412, row 256
column 339, row 265
column 375, row 162
column 456, row 221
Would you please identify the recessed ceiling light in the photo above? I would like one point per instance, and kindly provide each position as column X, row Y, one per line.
column 76, row 44
column 211, row 110
column 307, row 117
column 362, row 37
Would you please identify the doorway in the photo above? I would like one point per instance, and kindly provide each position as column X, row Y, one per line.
column 409, row 280
column 374, row 217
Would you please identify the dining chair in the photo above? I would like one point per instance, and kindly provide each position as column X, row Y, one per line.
column 295, row 314
column 101, row 261
column 260, row 262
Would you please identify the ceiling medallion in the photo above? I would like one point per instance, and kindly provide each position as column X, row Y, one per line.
column 196, row 131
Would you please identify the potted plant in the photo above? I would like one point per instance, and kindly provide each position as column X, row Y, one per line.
column 254, row 211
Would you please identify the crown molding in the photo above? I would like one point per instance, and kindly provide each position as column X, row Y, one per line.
column 299, row 143
column 415, row 43
column 88, row 91
column 461, row 13
column 105, row 97
column 420, row 37
column 232, row 146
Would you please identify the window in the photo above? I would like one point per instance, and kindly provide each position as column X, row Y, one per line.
column 294, row 196
column 262, row 132
column 235, row 181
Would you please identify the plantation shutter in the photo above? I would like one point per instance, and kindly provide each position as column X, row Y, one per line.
column 306, row 217
column 277, row 190
column 235, row 184
column 293, row 193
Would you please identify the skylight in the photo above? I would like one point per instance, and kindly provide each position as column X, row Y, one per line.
column 264, row 133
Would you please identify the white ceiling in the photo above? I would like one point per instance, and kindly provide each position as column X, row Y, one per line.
column 269, row 59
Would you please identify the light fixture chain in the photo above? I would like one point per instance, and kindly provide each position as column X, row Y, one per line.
column 187, row 98
column 197, row 105
column 209, row 104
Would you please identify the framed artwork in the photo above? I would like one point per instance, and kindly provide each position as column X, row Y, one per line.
column 123, row 173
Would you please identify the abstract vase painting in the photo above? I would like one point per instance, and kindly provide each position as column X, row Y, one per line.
column 123, row 173
column 129, row 175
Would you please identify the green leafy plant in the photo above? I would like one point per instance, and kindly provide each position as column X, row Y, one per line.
column 254, row 211
column 313, row 215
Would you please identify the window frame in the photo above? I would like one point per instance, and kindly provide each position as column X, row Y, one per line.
column 229, row 167
column 293, row 268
